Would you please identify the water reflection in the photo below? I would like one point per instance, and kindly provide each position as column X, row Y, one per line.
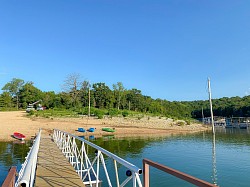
column 200, row 155
column 12, row 154
column 214, row 176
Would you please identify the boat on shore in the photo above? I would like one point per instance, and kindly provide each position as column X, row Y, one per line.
column 91, row 129
column 80, row 129
column 108, row 129
column 19, row 136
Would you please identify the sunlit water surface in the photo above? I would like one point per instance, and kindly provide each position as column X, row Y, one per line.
column 224, row 160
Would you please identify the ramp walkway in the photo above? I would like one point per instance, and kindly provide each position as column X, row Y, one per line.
column 53, row 169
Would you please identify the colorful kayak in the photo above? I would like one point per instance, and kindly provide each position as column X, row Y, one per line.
column 81, row 129
column 19, row 136
column 91, row 129
column 108, row 129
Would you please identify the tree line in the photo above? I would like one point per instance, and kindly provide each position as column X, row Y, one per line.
column 77, row 94
column 226, row 107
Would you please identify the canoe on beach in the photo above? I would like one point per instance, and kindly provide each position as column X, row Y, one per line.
column 91, row 129
column 81, row 129
column 19, row 136
column 108, row 129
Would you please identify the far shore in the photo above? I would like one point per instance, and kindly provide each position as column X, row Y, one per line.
column 18, row 121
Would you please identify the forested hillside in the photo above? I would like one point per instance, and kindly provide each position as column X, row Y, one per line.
column 76, row 93
column 227, row 107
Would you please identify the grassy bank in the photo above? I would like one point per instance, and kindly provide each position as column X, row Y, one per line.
column 102, row 113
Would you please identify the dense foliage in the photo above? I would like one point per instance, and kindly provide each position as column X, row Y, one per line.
column 118, row 100
column 227, row 107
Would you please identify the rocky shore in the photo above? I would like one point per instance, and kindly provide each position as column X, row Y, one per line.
column 18, row 121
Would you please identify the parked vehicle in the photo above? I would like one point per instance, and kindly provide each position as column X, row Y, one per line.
column 31, row 106
column 39, row 107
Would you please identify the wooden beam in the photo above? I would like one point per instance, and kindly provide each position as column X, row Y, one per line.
column 10, row 179
column 176, row 173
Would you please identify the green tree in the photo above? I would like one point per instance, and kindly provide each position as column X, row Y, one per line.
column 29, row 94
column 135, row 99
column 118, row 93
column 63, row 100
column 6, row 100
column 84, row 93
column 14, row 87
column 49, row 99
column 102, row 95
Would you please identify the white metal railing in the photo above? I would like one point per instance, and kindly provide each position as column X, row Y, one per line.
column 26, row 175
column 88, row 170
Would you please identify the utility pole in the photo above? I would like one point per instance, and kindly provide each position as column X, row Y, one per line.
column 211, row 107
column 89, row 102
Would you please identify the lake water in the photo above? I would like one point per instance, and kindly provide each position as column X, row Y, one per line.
column 225, row 162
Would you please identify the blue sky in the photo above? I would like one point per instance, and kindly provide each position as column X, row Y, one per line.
column 165, row 48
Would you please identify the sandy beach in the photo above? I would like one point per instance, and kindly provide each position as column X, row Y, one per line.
column 18, row 121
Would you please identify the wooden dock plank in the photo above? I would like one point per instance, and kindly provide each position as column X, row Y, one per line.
column 53, row 169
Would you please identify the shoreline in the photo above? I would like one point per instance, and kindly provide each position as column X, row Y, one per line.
column 18, row 121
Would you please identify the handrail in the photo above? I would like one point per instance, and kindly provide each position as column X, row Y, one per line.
column 176, row 173
column 78, row 157
column 10, row 179
column 109, row 154
column 26, row 175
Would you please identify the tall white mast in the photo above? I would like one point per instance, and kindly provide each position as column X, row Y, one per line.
column 211, row 107
column 214, row 176
column 202, row 113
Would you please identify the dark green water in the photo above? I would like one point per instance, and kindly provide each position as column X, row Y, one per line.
column 227, row 162
column 12, row 154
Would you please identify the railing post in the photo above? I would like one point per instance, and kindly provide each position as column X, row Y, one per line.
column 116, row 174
column 67, row 149
column 73, row 151
column 134, row 179
column 138, row 180
column 145, row 174
column 60, row 140
column 105, row 169
column 82, row 159
column 10, row 179
column 98, row 166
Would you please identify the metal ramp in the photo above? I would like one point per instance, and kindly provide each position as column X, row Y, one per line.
column 46, row 165
column 53, row 169
column 61, row 162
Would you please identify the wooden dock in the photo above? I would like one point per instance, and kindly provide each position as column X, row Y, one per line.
column 53, row 169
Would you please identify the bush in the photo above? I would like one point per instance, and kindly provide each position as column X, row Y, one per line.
column 125, row 113
column 113, row 112
column 181, row 123
column 31, row 113
column 140, row 117
column 99, row 114
column 83, row 111
column 188, row 122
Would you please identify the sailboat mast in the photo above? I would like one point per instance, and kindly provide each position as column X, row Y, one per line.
column 202, row 115
column 211, row 107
